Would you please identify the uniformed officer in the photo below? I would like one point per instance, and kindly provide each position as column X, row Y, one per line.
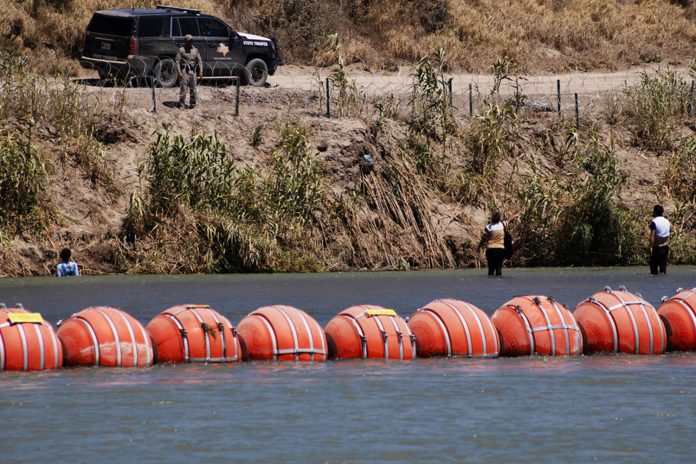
column 188, row 62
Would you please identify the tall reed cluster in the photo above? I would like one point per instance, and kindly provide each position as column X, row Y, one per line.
column 198, row 212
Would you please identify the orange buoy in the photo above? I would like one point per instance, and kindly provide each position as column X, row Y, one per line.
column 106, row 337
column 368, row 331
column 27, row 341
column 282, row 333
column 620, row 322
column 537, row 325
column 453, row 328
column 679, row 316
column 195, row 334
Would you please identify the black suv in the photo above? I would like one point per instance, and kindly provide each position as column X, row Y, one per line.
column 144, row 42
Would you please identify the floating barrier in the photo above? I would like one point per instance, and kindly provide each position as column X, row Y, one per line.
column 106, row 337
column 620, row 322
column 194, row 334
column 368, row 331
column 678, row 313
column 282, row 333
column 454, row 328
column 537, row 325
column 27, row 341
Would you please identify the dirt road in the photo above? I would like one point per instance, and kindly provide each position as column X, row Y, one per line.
column 304, row 78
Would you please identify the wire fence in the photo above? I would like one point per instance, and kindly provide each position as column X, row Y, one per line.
column 224, row 90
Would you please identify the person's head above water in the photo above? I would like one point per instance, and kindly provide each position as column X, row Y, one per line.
column 495, row 217
column 65, row 254
column 658, row 210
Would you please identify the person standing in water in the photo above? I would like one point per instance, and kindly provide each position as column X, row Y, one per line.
column 67, row 267
column 659, row 238
column 493, row 238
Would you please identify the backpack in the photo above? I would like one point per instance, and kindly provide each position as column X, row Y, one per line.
column 509, row 244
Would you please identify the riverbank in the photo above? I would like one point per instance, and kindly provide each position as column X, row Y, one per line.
column 400, row 177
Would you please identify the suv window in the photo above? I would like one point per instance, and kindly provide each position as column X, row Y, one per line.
column 213, row 28
column 153, row 26
column 186, row 26
column 111, row 25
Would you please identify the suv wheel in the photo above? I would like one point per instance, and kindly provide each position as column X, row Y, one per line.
column 257, row 72
column 165, row 72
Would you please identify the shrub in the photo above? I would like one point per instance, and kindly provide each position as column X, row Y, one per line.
column 579, row 220
column 199, row 213
column 23, row 181
column 432, row 120
column 653, row 107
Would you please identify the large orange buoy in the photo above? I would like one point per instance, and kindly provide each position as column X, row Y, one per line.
column 453, row 328
column 195, row 334
column 104, row 336
column 679, row 316
column 537, row 325
column 27, row 341
column 282, row 333
column 368, row 331
column 620, row 322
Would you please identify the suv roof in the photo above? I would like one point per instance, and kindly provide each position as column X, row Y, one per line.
column 159, row 11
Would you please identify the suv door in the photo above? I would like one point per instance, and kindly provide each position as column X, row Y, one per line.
column 218, row 52
column 189, row 25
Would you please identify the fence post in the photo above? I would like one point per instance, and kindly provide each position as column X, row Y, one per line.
column 449, row 88
column 558, row 92
column 153, row 81
column 471, row 100
column 577, row 112
column 328, row 99
column 236, row 97
column 690, row 106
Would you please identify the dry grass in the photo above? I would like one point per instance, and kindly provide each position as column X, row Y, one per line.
column 541, row 35
column 51, row 31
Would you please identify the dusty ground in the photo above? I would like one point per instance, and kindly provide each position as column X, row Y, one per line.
column 90, row 216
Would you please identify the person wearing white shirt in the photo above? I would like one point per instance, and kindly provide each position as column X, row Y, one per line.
column 659, row 238
column 67, row 267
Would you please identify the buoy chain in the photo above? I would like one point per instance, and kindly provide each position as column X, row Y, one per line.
column 555, row 327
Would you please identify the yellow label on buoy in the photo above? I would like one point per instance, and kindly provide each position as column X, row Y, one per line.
column 25, row 318
column 380, row 312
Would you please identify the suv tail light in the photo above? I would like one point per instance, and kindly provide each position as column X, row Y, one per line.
column 133, row 46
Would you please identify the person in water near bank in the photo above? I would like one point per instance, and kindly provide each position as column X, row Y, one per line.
column 659, row 238
column 67, row 267
column 493, row 238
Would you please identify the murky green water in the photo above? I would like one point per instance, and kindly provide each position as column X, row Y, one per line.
column 613, row 408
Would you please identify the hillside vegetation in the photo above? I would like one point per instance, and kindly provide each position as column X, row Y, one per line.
column 390, row 181
column 383, row 184
column 541, row 35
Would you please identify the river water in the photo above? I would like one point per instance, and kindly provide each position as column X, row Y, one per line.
column 600, row 408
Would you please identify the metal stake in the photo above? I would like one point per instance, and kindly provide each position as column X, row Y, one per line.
column 154, row 96
column 471, row 100
column 558, row 90
column 236, row 98
column 328, row 99
column 577, row 112
column 449, row 88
